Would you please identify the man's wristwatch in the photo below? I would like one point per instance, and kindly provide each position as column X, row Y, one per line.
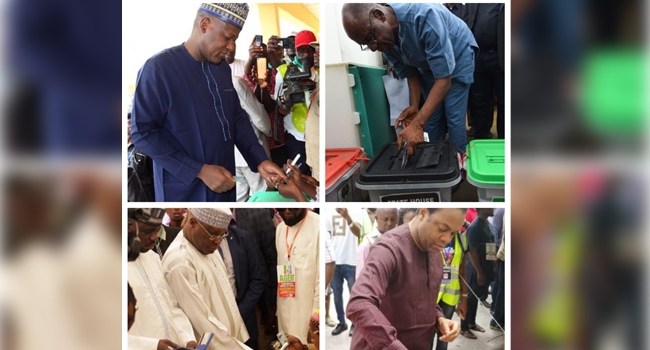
column 351, row 224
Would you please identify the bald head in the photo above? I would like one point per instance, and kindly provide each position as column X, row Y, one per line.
column 386, row 219
column 355, row 19
column 373, row 25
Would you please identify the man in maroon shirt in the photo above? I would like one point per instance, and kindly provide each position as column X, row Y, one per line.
column 394, row 301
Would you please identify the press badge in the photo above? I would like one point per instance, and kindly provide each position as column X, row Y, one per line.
column 490, row 251
column 446, row 274
column 286, row 281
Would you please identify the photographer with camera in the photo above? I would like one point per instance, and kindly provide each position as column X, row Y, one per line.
column 160, row 322
column 263, row 84
column 293, row 87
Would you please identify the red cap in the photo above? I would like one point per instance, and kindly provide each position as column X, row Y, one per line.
column 304, row 38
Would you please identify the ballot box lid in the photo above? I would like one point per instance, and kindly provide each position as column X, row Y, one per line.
column 486, row 162
column 432, row 162
column 338, row 161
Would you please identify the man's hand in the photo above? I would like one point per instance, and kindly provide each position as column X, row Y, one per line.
column 271, row 173
column 461, row 310
column 295, row 173
column 391, row 70
column 294, row 343
column 481, row 279
column 406, row 117
column 217, row 178
column 448, row 329
column 290, row 189
column 274, row 46
column 165, row 344
column 344, row 213
column 414, row 135
column 255, row 51
column 192, row 344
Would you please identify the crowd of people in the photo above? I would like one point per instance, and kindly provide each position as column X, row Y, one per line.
column 207, row 127
column 243, row 275
column 452, row 57
column 408, row 271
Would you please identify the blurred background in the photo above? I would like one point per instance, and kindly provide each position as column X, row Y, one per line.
column 579, row 189
column 579, row 174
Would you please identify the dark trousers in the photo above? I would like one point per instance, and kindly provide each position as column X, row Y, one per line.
column 472, row 301
column 251, row 325
column 342, row 272
column 499, row 302
column 495, row 290
column 489, row 80
column 448, row 311
column 279, row 155
column 293, row 148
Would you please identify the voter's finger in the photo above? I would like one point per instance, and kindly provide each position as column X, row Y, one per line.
column 411, row 148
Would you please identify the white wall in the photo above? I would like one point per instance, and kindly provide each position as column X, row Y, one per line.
column 341, row 122
column 340, row 49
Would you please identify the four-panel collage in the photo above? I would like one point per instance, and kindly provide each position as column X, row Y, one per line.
column 224, row 105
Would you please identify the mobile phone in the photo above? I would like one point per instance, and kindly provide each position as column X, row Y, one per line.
column 258, row 40
column 287, row 43
column 261, row 68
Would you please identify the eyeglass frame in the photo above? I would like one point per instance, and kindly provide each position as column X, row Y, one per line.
column 372, row 32
column 211, row 236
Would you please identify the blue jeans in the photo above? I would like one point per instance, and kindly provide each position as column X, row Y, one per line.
column 495, row 290
column 450, row 117
column 499, row 301
column 342, row 272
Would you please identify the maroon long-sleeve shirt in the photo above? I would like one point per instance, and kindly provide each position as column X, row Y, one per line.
column 393, row 302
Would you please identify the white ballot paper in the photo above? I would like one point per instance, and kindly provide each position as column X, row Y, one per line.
column 397, row 91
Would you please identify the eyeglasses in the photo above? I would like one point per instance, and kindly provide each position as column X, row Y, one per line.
column 294, row 210
column 366, row 47
column 213, row 237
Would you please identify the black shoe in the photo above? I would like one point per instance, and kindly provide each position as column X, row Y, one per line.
column 351, row 329
column 340, row 328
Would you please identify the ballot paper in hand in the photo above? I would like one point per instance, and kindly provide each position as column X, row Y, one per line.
column 397, row 91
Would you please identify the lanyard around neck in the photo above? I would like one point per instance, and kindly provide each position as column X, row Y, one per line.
column 290, row 247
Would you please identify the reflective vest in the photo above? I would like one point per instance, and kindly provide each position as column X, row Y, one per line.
column 299, row 111
column 367, row 225
column 450, row 293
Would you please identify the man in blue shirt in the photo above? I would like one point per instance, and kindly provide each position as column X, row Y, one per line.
column 434, row 50
column 188, row 118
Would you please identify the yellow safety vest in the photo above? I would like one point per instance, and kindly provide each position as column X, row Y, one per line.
column 367, row 225
column 450, row 293
column 300, row 110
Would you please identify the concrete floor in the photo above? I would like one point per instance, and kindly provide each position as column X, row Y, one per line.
column 490, row 340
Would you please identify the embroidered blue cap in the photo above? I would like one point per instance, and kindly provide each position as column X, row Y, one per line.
column 233, row 13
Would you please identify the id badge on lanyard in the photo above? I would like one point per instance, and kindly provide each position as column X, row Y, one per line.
column 446, row 274
column 286, row 281
column 490, row 251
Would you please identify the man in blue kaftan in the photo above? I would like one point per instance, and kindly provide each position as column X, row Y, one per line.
column 187, row 116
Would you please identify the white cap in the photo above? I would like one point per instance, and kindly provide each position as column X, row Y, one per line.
column 217, row 217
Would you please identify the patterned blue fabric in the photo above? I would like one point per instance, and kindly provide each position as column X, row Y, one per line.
column 233, row 13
